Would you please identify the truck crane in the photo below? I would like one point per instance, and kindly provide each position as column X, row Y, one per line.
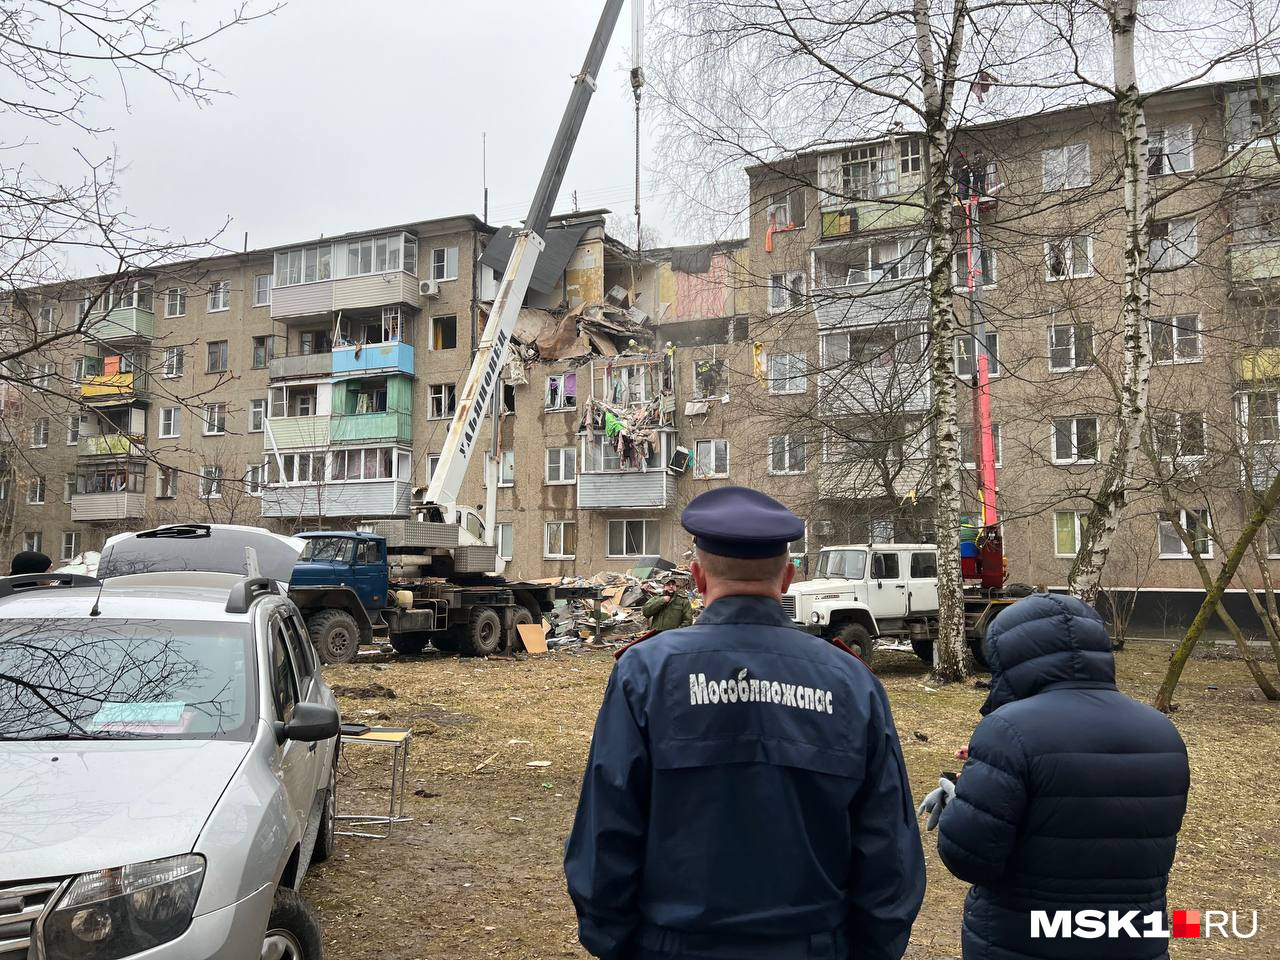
column 436, row 578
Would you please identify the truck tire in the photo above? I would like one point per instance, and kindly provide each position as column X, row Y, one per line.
column 484, row 632
column 924, row 650
column 521, row 615
column 410, row 644
column 335, row 634
column 292, row 930
column 975, row 647
column 858, row 639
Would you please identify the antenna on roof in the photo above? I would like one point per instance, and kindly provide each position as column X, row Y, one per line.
column 94, row 611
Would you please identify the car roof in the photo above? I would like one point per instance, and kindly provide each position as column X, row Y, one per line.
column 343, row 534
column 882, row 546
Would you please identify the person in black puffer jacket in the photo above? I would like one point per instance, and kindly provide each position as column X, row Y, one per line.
column 1072, row 796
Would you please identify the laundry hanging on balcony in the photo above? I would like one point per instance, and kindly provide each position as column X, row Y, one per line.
column 631, row 433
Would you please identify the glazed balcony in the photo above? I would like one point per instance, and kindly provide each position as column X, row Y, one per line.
column 1260, row 363
column 354, row 498
column 111, row 445
column 1254, row 263
column 113, row 387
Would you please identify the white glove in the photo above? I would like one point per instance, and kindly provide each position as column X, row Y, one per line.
column 936, row 802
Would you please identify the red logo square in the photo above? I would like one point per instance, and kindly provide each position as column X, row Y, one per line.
column 1186, row 923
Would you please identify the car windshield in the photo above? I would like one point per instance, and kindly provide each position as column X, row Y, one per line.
column 329, row 548
column 125, row 679
column 850, row 564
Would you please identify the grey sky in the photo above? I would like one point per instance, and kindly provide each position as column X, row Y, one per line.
column 352, row 115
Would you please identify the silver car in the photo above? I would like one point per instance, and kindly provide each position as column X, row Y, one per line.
column 168, row 749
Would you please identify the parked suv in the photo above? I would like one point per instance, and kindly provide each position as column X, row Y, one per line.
column 169, row 749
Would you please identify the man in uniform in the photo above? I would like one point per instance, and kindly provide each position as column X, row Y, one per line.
column 668, row 610
column 745, row 795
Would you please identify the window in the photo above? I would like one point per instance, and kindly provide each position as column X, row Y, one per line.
column 444, row 333
column 1179, row 435
column 68, row 487
column 78, row 368
column 217, row 361
column 787, row 373
column 315, row 341
column 219, row 296
column 255, row 475
column 433, row 461
column 509, row 398
column 1173, row 243
column 883, row 345
column 710, row 379
column 304, row 265
column 40, row 432
column 562, row 463
column 130, row 295
column 70, row 545
column 1065, row 167
column 1070, row 346
column 40, row 374
column 602, row 457
column 924, row 566
column 4, row 488
column 969, row 453
column 170, row 422
column 257, row 415
column 786, row 291
column 1169, row 150
column 309, row 467
column 172, row 361
column 443, row 399
column 75, row 423
column 1176, row 339
column 884, row 566
column 711, row 459
column 1267, row 327
column 264, row 348
column 47, row 320
column 1067, row 257
column 507, row 468
column 984, row 269
column 383, row 254
column 1260, row 415
column 910, row 155
column 896, row 258
column 167, row 483
column 634, row 538
column 966, row 363
column 33, row 540
column 35, row 490
column 786, row 210
column 1197, row 525
column 505, row 540
column 284, row 682
column 1068, row 531
column 1075, row 440
column 215, row 419
column 786, row 454
column 444, row 263
column 374, row 463
column 175, row 302
column 262, row 290
column 561, row 540
column 871, row 171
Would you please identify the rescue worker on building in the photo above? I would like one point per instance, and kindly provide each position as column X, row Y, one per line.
column 668, row 610
column 1072, row 795
column 745, row 795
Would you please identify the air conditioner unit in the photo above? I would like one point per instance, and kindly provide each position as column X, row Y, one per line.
column 823, row 528
column 679, row 460
column 429, row 288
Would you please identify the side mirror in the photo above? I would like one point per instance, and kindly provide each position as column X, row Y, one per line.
column 311, row 722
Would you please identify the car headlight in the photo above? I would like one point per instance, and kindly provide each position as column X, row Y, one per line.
column 125, row 910
column 816, row 617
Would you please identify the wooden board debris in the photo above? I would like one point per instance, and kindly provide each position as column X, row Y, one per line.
column 533, row 636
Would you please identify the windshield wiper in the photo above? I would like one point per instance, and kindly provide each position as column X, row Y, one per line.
column 56, row 736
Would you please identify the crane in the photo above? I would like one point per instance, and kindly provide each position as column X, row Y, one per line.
column 479, row 390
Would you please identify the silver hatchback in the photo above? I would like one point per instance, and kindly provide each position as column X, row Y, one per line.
column 169, row 750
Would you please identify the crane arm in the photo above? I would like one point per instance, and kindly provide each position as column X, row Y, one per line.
column 491, row 353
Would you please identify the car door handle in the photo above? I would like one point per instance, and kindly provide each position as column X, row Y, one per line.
column 900, row 586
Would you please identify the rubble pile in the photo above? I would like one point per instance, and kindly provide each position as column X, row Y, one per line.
column 618, row 619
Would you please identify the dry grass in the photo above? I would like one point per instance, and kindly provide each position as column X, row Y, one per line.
column 477, row 873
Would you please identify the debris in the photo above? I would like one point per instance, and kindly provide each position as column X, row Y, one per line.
column 533, row 637
column 920, row 735
column 538, row 763
column 517, row 820
column 425, row 794
column 512, row 743
column 373, row 691
column 485, row 762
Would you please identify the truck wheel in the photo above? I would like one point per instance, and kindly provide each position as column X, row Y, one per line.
column 924, row 650
column 293, row 933
column 975, row 647
column 336, row 636
column 410, row 644
column 514, row 643
column 484, row 632
column 856, row 637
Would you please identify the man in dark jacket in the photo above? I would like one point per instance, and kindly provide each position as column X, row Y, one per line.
column 1072, row 796
column 745, row 796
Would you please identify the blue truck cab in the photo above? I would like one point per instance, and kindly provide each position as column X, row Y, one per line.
column 344, row 559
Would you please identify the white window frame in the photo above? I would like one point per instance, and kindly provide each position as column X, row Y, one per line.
column 965, row 346
column 68, row 487
column 789, row 441
column 70, row 554
column 505, row 531
column 782, row 383
column 268, row 343
column 561, row 457
column 209, row 426
column 546, row 394
column 788, row 291
column 1205, row 516
column 33, row 540
column 40, row 433
column 1056, row 167
column 166, row 483
column 560, row 526
column 647, row 525
column 255, row 479
column 262, row 291
column 174, row 359
column 1159, row 137
column 175, row 302
column 507, row 468
column 438, row 405
column 1175, row 419
column 36, row 491
column 175, row 423
column 1073, row 270
column 46, row 319
column 1075, row 329
column 1075, row 427
column 1178, row 334
column 698, row 458
column 1163, row 259
column 447, row 270
column 997, row 436
column 1079, row 517
column 219, row 296
column 211, row 480
column 986, row 258
column 75, row 424
column 873, row 262
column 257, row 414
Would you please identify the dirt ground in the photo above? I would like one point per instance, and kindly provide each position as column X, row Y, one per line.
column 477, row 873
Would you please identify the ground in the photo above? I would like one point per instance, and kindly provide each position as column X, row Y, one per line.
column 477, row 873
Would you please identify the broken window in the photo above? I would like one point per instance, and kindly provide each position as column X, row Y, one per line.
column 1067, row 257
column 867, row 172
column 634, row 538
column 625, row 385
column 968, row 452
column 1179, row 435
column 444, row 333
column 1195, row 523
column 878, row 346
column 367, row 396
column 442, row 401
column 1169, row 150
column 316, row 341
column 786, row 210
column 710, row 379
column 786, row 291
column 561, row 392
column 899, row 258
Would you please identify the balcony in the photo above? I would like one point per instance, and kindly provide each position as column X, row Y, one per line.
column 108, row 506
column 844, row 218
column 1254, row 160
column 372, row 359
column 1260, row 363
column 866, row 480
column 351, row 293
column 375, row 427
column 626, row 490
column 866, row 304
column 111, row 445
column 304, row 365
column 122, row 323
column 289, row 433
column 359, row 498
column 1255, row 262
column 113, row 387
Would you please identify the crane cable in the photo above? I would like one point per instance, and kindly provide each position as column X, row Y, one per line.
column 637, row 85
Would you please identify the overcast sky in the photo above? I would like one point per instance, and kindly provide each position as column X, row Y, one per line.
column 344, row 116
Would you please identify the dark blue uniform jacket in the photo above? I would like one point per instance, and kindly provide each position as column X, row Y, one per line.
column 1073, row 794
column 745, row 797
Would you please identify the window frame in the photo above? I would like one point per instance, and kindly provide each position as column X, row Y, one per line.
column 210, row 472
column 175, row 425
column 219, row 293
column 773, row 380
column 1176, row 418
column 997, row 436
column 789, row 441
column 1075, row 329
column 174, row 295
column 68, row 556
column 546, row 393
column 264, row 345
column 993, row 349
column 446, row 408
column 1158, row 262
column 698, row 473
column 444, row 267
column 1075, row 459
column 795, row 298
column 39, row 433
column 1072, row 270
column 258, row 287
column 572, row 455
column 562, row 525
column 37, row 491
column 1162, row 135
column 647, row 524
column 223, row 349
column 1063, row 155
column 166, row 483
column 1175, row 339
column 1078, row 526
column 258, row 409
column 1204, row 516
column 431, row 332
column 172, row 370
column 509, row 528
column 213, row 409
